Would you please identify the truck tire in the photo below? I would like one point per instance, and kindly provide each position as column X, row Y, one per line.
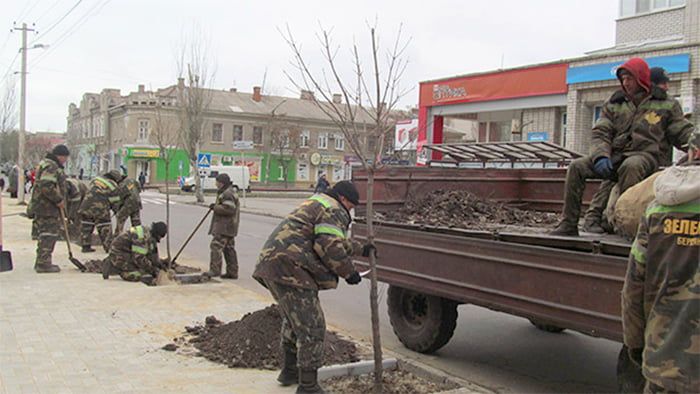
column 629, row 375
column 423, row 323
column 547, row 327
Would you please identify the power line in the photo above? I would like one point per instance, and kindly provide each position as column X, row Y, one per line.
column 71, row 30
column 46, row 12
column 29, row 11
column 58, row 21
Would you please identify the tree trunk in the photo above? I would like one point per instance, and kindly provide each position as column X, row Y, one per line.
column 167, row 207
column 373, row 298
column 198, row 192
column 267, row 168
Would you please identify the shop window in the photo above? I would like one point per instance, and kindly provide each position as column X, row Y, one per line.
column 257, row 135
column 339, row 142
column 323, row 141
column 237, row 132
column 338, row 173
column 302, row 171
column 636, row 7
column 304, row 139
column 597, row 111
column 217, row 132
column 143, row 130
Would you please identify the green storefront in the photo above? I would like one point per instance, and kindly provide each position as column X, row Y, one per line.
column 148, row 161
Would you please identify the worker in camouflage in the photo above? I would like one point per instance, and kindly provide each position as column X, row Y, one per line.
column 661, row 294
column 47, row 201
column 224, row 228
column 75, row 193
column 102, row 196
column 130, row 193
column 629, row 140
column 307, row 252
column 133, row 254
column 593, row 221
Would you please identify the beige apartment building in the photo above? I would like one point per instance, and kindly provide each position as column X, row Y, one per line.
column 109, row 130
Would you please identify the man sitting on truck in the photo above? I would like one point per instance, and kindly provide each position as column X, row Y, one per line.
column 628, row 141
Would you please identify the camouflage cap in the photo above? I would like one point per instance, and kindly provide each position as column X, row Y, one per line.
column 114, row 175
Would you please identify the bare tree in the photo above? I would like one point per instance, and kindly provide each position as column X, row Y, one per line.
column 165, row 130
column 36, row 148
column 8, row 107
column 285, row 141
column 196, row 73
column 363, row 114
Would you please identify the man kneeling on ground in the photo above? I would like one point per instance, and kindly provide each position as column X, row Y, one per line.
column 134, row 256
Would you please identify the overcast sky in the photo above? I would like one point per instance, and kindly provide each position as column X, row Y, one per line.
column 123, row 43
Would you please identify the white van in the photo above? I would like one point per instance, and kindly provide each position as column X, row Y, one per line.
column 240, row 178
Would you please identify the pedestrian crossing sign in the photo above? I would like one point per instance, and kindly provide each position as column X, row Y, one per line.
column 204, row 160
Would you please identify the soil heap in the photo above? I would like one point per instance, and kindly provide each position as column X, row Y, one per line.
column 462, row 209
column 254, row 341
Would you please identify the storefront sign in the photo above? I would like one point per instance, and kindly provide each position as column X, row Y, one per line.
column 147, row 153
column 242, row 145
column 608, row 71
column 525, row 82
column 537, row 136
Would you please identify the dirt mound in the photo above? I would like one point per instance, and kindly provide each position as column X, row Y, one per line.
column 462, row 209
column 95, row 267
column 394, row 382
column 254, row 341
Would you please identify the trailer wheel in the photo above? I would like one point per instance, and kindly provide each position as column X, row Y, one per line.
column 547, row 327
column 629, row 375
column 423, row 323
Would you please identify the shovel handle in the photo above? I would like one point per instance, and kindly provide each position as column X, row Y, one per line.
column 190, row 237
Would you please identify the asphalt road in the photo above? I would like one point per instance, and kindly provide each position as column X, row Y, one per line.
column 495, row 350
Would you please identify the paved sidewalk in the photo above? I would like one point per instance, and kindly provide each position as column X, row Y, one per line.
column 76, row 333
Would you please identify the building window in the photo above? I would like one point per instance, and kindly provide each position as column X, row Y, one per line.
column 323, row 141
column 143, row 130
column 597, row 111
column 257, row 135
column 339, row 142
column 304, row 139
column 636, row 7
column 338, row 173
column 302, row 171
column 237, row 132
column 217, row 132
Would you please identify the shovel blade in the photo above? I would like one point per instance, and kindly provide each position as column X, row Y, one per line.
column 5, row 261
column 77, row 263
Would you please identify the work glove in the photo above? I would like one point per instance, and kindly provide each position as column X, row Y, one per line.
column 212, row 205
column 603, row 167
column 369, row 248
column 636, row 356
column 354, row 278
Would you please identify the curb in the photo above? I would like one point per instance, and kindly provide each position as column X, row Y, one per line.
column 244, row 210
column 353, row 369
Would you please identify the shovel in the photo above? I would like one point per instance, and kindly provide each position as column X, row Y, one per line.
column 72, row 259
column 189, row 238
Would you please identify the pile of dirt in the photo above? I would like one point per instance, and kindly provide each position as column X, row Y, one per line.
column 95, row 267
column 254, row 341
column 394, row 382
column 462, row 209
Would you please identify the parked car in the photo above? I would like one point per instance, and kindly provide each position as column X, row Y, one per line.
column 240, row 178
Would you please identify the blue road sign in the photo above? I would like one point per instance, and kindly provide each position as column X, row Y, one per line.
column 204, row 160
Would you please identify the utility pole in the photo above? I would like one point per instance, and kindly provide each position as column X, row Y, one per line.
column 22, row 115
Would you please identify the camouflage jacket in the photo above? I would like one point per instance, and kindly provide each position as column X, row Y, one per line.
column 129, row 191
column 625, row 129
column 137, row 246
column 309, row 248
column 49, row 189
column 103, row 194
column 661, row 295
column 227, row 213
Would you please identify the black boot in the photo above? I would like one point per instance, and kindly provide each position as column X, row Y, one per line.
column 290, row 373
column 565, row 228
column 47, row 268
column 87, row 249
column 148, row 280
column 308, row 382
column 106, row 268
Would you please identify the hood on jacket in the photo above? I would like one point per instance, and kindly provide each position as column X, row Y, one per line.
column 639, row 69
column 677, row 185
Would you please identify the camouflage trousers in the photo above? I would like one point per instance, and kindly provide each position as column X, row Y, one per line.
column 226, row 246
column 135, row 217
column 631, row 171
column 104, row 230
column 303, row 324
column 125, row 267
column 594, row 214
column 47, row 228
